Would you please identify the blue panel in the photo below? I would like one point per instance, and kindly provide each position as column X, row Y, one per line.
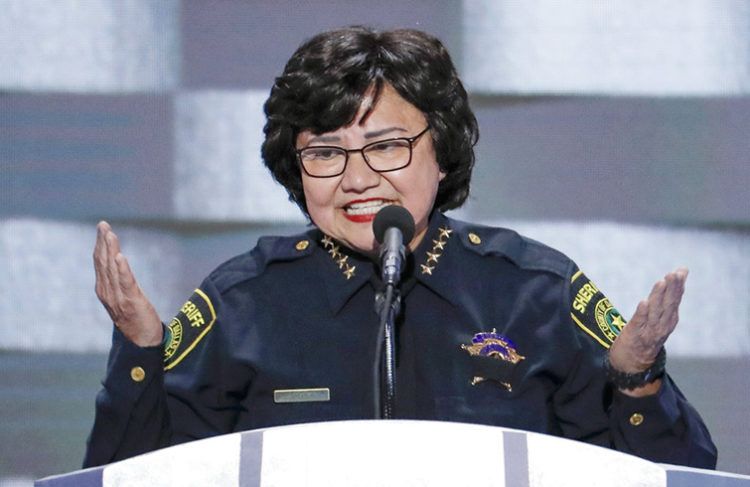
column 86, row 478
column 516, row 459
column 647, row 160
column 679, row 478
column 251, row 459
column 85, row 156
column 239, row 44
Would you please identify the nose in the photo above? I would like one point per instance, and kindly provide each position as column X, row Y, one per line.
column 358, row 177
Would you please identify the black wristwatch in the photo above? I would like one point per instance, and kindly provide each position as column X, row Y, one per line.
column 625, row 380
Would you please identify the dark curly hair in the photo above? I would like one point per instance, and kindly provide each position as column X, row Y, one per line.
column 324, row 82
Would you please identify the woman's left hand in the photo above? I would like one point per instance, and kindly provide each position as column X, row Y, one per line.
column 654, row 320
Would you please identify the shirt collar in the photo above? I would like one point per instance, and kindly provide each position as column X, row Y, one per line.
column 434, row 263
column 342, row 271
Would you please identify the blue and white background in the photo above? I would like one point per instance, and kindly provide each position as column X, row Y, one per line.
column 614, row 130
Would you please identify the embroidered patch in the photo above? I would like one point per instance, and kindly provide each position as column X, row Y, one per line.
column 194, row 320
column 493, row 346
column 593, row 312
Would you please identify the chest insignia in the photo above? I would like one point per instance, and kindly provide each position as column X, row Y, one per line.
column 492, row 345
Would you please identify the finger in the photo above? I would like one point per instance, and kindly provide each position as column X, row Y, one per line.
column 635, row 327
column 673, row 292
column 112, row 273
column 128, row 284
column 100, row 261
column 671, row 321
column 672, row 298
column 640, row 316
column 656, row 303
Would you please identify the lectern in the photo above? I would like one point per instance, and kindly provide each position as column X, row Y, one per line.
column 393, row 454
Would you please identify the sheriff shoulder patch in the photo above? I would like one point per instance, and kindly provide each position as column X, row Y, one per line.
column 187, row 329
column 592, row 311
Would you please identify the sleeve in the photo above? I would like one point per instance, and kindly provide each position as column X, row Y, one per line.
column 131, row 415
column 662, row 428
column 158, row 396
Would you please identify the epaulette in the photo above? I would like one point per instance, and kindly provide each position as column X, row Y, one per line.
column 253, row 263
column 522, row 251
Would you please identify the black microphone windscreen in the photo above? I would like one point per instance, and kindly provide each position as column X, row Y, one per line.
column 393, row 216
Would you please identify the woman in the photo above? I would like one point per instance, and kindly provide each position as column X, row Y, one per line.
column 494, row 328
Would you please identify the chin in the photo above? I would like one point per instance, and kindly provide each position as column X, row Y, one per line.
column 364, row 245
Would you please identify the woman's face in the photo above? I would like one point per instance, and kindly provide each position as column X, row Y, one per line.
column 344, row 206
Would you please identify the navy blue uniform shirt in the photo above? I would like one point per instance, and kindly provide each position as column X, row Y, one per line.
column 494, row 329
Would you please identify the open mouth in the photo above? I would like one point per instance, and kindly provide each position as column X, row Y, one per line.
column 365, row 210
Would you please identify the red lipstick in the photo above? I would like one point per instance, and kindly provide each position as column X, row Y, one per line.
column 359, row 218
column 362, row 218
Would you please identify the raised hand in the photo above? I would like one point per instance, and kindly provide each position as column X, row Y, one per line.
column 654, row 320
column 120, row 294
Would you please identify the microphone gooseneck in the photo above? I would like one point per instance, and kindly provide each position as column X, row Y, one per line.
column 393, row 228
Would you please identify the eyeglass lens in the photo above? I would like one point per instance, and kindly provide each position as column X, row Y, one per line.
column 383, row 156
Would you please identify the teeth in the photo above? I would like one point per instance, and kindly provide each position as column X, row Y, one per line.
column 366, row 208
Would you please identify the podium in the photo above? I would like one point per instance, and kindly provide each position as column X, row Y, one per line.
column 390, row 453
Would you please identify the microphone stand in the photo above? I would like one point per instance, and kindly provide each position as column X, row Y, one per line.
column 387, row 305
column 393, row 227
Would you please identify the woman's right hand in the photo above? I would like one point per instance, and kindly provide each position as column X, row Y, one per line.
column 118, row 291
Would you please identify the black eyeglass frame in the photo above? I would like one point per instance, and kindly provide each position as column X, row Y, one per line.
column 361, row 150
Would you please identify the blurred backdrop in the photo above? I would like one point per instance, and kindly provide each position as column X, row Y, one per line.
column 616, row 131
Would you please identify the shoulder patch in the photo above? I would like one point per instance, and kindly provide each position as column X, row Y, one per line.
column 194, row 320
column 592, row 311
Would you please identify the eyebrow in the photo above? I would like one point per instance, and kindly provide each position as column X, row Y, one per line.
column 368, row 135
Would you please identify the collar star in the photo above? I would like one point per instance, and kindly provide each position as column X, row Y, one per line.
column 445, row 232
column 437, row 250
column 334, row 251
column 349, row 272
column 338, row 256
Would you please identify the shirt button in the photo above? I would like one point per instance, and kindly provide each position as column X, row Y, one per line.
column 636, row 419
column 474, row 238
column 302, row 245
column 137, row 374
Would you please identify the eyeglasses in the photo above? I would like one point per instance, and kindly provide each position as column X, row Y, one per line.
column 327, row 161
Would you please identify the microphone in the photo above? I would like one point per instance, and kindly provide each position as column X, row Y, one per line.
column 394, row 228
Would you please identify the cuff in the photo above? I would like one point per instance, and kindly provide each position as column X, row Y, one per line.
column 132, row 369
column 649, row 413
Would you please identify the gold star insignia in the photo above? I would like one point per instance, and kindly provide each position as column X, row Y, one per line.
column 427, row 269
column 618, row 322
column 439, row 245
column 349, row 272
column 342, row 261
column 326, row 241
column 432, row 257
column 445, row 232
column 334, row 251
